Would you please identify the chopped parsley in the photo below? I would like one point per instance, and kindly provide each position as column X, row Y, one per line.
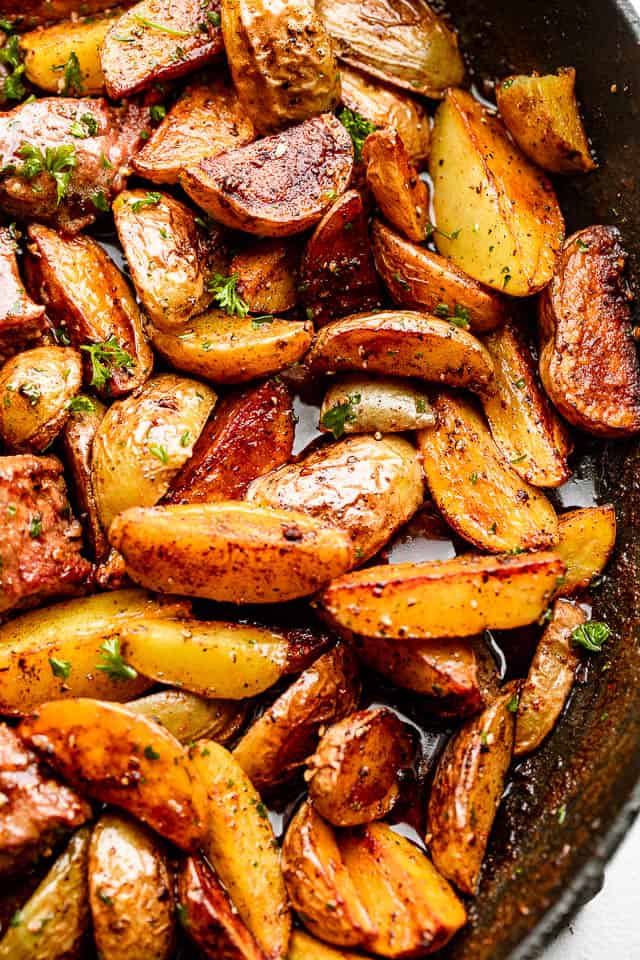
column 59, row 162
column 13, row 87
column 581, row 245
column 358, row 128
column 473, row 477
column 162, row 27
column 257, row 322
column 60, row 668
column 340, row 415
column 183, row 915
column 184, row 439
column 35, row 526
column 159, row 452
column 461, row 317
column 513, row 704
column 562, row 814
column 86, row 126
column 105, row 357
column 431, row 228
column 100, row 202
column 16, row 919
column 31, row 392
column 507, row 83
column 72, row 84
column 591, row 636
column 105, row 899
column 520, row 459
column 441, row 310
column 519, row 384
column 150, row 753
column 225, row 293
column 113, row 663
column 151, row 199
column 214, row 18
column 81, row 404
column 158, row 112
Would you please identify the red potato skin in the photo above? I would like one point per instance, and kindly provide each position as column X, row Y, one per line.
column 401, row 195
column 21, row 319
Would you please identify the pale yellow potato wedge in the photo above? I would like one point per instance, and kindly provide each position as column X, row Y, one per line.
column 230, row 551
column 446, row 598
column 47, row 50
column 497, row 215
column 305, row 947
column 587, row 539
column 190, row 717
column 357, row 403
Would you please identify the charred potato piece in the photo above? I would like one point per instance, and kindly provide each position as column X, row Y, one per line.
column 266, row 275
column 279, row 185
column 401, row 195
column 588, row 360
column 77, row 443
column 360, row 404
column 21, row 319
column 498, row 217
column 129, row 892
column 190, row 717
column 467, row 789
column 587, row 539
column 48, row 49
column 36, row 390
column 542, row 116
column 305, row 947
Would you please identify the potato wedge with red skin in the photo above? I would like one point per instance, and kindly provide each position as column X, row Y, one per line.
column 207, row 119
column 158, row 40
column 119, row 757
column 401, row 195
column 467, row 789
column 21, row 319
column 250, row 434
column 337, row 273
column 419, row 279
column 403, row 343
column 267, row 275
column 278, row 186
column 588, row 360
column 77, row 443
column 587, row 539
column 46, row 49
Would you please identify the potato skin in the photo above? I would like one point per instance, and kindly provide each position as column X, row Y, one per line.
column 587, row 539
column 21, row 319
column 403, row 198
column 190, row 717
column 77, row 442
column 380, row 405
column 267, row 276
column 305, row 947
column 34, row 12
column 48, row 47
column 588, row 360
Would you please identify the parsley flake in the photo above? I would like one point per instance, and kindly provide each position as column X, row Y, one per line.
column 105, row 357
column 225, row 293
column 35, row 526
column 150, row 753
column 81, row 404
column 159, row 452
column 113, row 663
column 59, row 162
column 60, row 668
column 340, row 415
column 358, row 128
column 151, row 199
column 13, row 87
column 152, row 25
column 591, row 636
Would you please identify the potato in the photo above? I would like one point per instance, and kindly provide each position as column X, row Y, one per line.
column 403, row 343
column 588, row 360
column 366, row 487
column 169, row 256
column 31, row 13
column 542, row 116
column 54, row 652
column 190, row 717
column 21, row 319
column 77, row 442
column 122, row 758
column 242, row 849
column 250, row 434
column 228, row 349
column 357, row 403
column 479, row 494
column 279, row 741
column 235, row 552
column 422, row 280
column 305, row 947
column 401, row 195
column 87, row 296
column 48, row 49
column 281, row 60
column 129, row 892
column 207, row 119
column 405, row 44
column 266, row 274
column 280, row 185
column 144, row 440
column 337, row 274
column 159, row 40
column 587, row 539
column 467, row 789
column 521, row 419
column 318, row 884
column 36, row 389
column 443, row 598
column 498, row 217
column 60, row 904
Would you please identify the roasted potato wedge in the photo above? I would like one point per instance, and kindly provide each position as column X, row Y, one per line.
column 403, row 343
column 363, row 486
column 32, row 13
column 280, row 185
column 318, row 884
column 520, row 416
column 37, row 388
column 122, row 758
column 21, row 319
column 401, row 195
column 305, row 947
column 542, row 116
column 467, row 789
column 588, row 360
column 279, row 742
column 236, row 552
column 242, row 849
column 48, row 49
column 587, row 539
column 77, row 442
column 357, row 403
column 190, row 717
column 422, row 280
column 267, row 276
column 497, row 215
column 129, row 892
column 479, row 494
column 444, row 598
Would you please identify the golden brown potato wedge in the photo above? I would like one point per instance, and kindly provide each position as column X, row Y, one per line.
column 267, row 273
column 122, row 758
column 414, row 910
column 305, row 947
column 587, row 539
column 77, row 443
column 403, row 343
column 542, row 116
column 366, row 487
column 588, row 360
column 241, row 847
column 48, row 49
column 467, row 789
column 190, row 717
column 497, row 215
column 129, row 892
column 401, row 195
column 526, row 429
column 479, row 494
column 21, row 319
column 357, row 403
column 235, row 552
column 318, row 884
column 444, row 598
column 279, row 741
column 280, row 185
column 423, row 280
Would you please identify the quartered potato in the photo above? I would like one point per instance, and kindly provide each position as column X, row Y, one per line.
column 497, row 215
column 77, row 442
column 588, row 360
column 587, row 539
column 21, row 319
column 357, row 403
column 542, row 116
column 305, row 947
column 467, row 790
column 129, row 892
column 478, row 492
column 403, row 343
column 122, row 758
column 36, row 390
column 267, row 276
column 190, row 717
column 279, row 185
column 403, row 198
column 48, row 49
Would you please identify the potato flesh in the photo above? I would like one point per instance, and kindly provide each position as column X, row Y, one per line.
column 403, row 198
column 49, row 47
column 190, row 717
column 383, row 405
column 587, row 539
column 77, row 441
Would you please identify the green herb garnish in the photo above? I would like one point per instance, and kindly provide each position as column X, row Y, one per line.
column 340, row 415
column 162, row 27
column 81, row 404
column 159, row 452
column 60, row 668
column 105, row 357
column 358, row 128
column 150, row 753
column 591, row 636
column 35, row 526
column 113, row 663
column 73, row 84
column 151, row 199
column 13, row 87
column 225, row 293
column 59, row 162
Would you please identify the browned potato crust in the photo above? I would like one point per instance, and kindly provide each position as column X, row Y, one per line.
column 401, row 195
column 46, row 49
column 588, row 360
column 77, row 443
column 34, row 12
column 20, row 318
column 305, row 947
column 279, row 185
column 267, row 276
column 587, row 539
